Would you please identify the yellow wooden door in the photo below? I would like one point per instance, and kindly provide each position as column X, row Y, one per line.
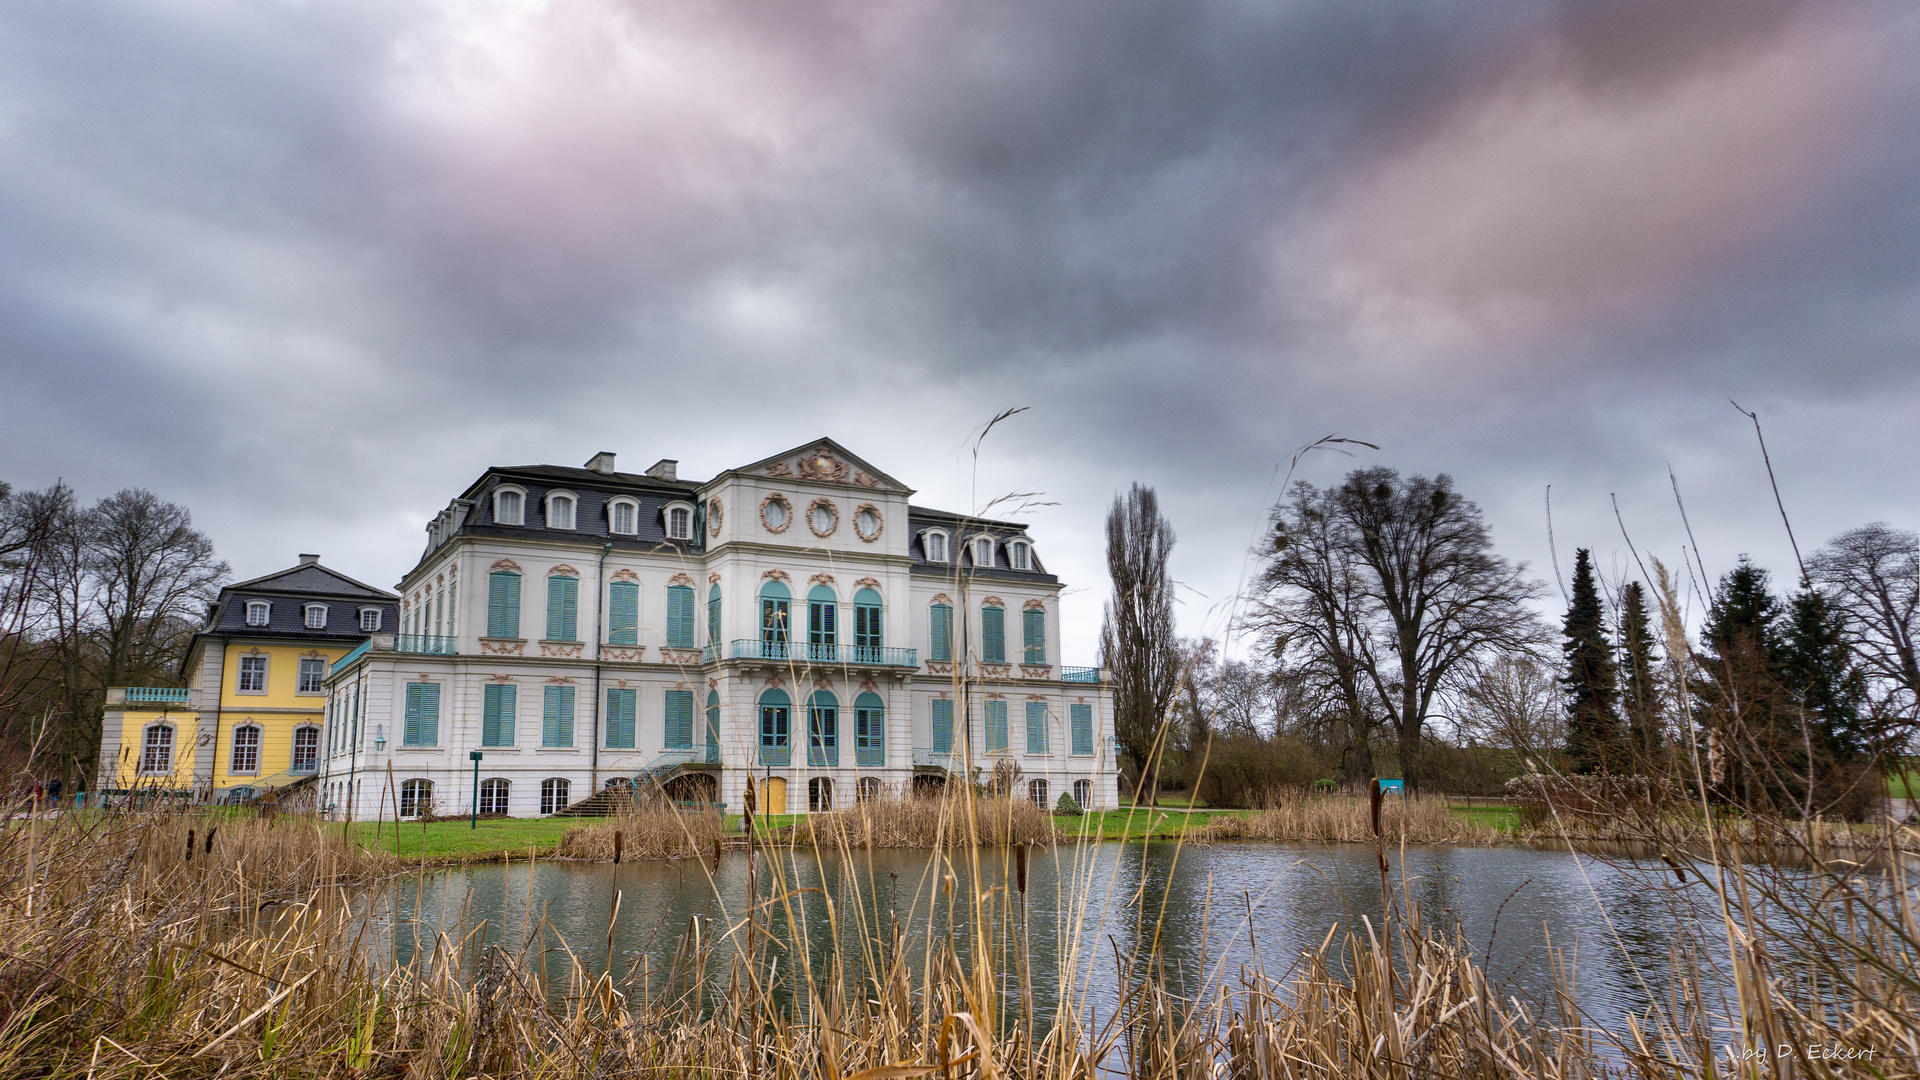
column 774, row 790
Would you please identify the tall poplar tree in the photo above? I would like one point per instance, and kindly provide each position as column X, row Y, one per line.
column 1592, row 680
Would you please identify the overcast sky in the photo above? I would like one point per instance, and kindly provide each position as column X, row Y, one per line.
column 308, row 268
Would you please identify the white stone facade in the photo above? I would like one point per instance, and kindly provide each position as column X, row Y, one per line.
column 816, row 519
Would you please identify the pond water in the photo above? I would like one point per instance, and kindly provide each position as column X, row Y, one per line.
column 1216, row 908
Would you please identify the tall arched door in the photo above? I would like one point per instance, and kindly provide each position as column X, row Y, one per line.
column 774, row 792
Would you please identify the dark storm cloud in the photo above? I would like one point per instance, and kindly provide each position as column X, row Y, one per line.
column 309, row 267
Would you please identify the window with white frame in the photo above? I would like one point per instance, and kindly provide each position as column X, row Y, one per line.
column 1083, row 794
column 554, row 793
column 493, row 795
column 306, row 749
column 1037, row 793
column 313, row 675
column 246, row 749
column 934, row 543
column 253, row 674
column 679, row 522
column 982, row 551
column 623, row 517
column 156, row 750
column 1017, row 555
column 560, row 510
column 369, row 620
column 509, row 506
column 258, row 611
column 416, row 798
column 316, row 616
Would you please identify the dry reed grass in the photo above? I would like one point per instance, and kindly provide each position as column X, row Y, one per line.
column 927, row 823
column 120, row 958
column 1298, row 817
column 645, row 829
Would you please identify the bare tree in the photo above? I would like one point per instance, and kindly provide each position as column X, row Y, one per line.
column 1515, row 702
column 1872, row 574
column 1391, row 588
column 1137, row 642
column 154, row 575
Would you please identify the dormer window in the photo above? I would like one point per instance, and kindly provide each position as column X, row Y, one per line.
column 560, row 510
column 316, row 616
column 509, row 506
column 1019, row 555
column 679, row 522
column 258, row 612
column 369, row 620
column 983, row 551
column 623, row 517
column 934, row 542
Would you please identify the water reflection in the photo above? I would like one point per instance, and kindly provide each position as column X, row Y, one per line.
column 1090, row 915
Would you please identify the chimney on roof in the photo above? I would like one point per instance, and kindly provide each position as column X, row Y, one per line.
column 309, row 560
column 665, row 469
column 601, row 462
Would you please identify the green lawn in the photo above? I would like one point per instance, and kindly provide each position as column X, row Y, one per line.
column 1903, row 784
column 455, row 839
column 1503, row 818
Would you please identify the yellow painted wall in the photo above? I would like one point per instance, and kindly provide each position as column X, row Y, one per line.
column 278, row 711
column 133, row 734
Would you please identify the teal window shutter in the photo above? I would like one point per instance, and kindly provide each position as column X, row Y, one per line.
column 679, row 617
column 823, row 623
column 996, row 727
column 993, row 635
column 556, row 727
column 411, row 734
column 866, row 626
column 713, row 723
column 869, row 730
column 774, row 720
column 503, row 604
column 496, row 714
column 1033, row 635
column 713, row 615
column 623, row 613
column 679, row 726
column 823, row 730
column 942, row 617
column 620, row 718
column 1082, row 722
column 942, row 726
column 1036, row 727
column 563, row 608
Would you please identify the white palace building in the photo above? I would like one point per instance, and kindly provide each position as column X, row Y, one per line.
column 797, row 620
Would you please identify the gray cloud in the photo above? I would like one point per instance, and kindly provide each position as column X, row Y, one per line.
column 309, row 268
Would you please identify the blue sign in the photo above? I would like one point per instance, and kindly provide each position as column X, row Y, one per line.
column 1396, row 787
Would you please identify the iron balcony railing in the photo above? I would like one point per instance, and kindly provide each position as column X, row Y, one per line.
column 775, row 755
column 925, row 757
column 157, row 695
column 1079, row 674
column 851, row 655
column 427, row 644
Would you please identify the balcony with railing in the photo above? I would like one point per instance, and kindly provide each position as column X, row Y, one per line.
column 925, row 757
column 425, row 644
column 1079, row 674
column 794, row 652
column 775, row 753
column 158, row 695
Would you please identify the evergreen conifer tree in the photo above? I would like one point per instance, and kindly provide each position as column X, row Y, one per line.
column 1592, row 686
column 1738, row 695
column 1640, row 693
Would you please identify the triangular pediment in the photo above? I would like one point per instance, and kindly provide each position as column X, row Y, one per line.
column 823, row 461
column 312, row 579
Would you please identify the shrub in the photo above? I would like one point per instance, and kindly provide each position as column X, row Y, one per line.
column 1242, row 769
column 1066, row 807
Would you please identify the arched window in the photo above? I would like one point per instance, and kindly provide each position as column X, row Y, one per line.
column 509, row 506
column 823, row 623
column 680, row 616
column 258, row 612
column 306, row 748
column 246, row 749
column 866, row 627
column 775, row 628
column 554, row 794
column 1083, row 793
column 713, row 615
column 981, row 548
column 934, row 543
column 1018, row 555
column 369, row 620
column 941, row 630
column 713, row 727
column 156, row 749
column 819, row 795
column 560, row 506
column 623, row 516
column 416, row 798
column 823, row 730
column 679, row 521
column 776, row 712
column 869, row 730
column 316, row 616
column 867, row 790
column 493, row 795
column 1037, row 793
